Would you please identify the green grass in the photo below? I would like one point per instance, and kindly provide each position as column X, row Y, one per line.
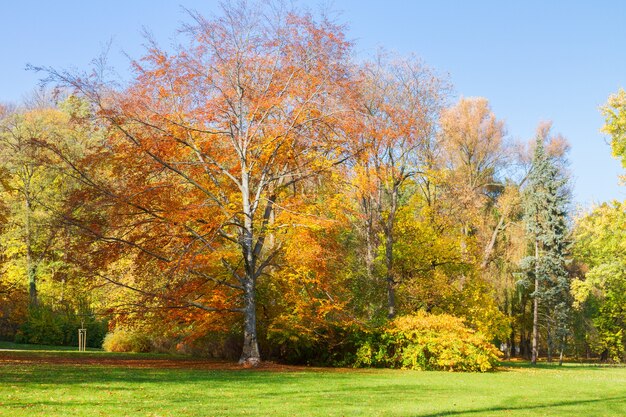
column 43, row 348
column 45, row 351
column 516, row 390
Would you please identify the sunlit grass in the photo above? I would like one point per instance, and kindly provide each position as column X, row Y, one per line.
column 28, row 389
column 45, row 351
column 42, row 348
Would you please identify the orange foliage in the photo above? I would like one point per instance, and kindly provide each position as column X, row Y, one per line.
column 204, row 151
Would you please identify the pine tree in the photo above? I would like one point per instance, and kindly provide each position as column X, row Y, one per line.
column 545, row 215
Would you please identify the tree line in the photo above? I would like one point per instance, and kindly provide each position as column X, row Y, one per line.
column 256, row 188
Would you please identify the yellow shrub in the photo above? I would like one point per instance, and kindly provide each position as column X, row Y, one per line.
column 121, row 340
column 429, row 342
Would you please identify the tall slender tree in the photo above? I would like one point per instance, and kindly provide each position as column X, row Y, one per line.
column 545, row 214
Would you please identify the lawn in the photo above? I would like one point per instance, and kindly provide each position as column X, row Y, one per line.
column 63, row 383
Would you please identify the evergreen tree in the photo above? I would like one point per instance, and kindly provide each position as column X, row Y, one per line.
column 545, row 215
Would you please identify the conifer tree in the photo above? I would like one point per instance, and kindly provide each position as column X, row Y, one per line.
column 545, row 215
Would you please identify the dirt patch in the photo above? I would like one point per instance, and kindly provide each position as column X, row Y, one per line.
column 24, row 358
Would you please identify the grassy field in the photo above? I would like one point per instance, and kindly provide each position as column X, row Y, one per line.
column 64, row 383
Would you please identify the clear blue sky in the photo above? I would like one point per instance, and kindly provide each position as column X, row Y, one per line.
column 534, row 60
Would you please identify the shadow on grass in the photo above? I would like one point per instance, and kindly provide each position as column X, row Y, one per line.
column 91, row 353
column 568, row 366
column 550, row 405
column 77, row 374
column 45, row 374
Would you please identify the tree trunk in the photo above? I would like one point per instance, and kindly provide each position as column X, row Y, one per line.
column 369, row 237
column 562, row 348
column 391, row 291
column 536, row 307
column 509, row 339
column 32, row 286
column 523, row 345
column 389, row 241
column 549, row 341
column 30, row 263
column 511, row 342
column 391, row 299
column 522, row 312
column 535, row 325
column 250, row 356
column 492, row 244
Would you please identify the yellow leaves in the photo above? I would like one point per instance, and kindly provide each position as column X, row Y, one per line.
column 364, row 180
column 580, row 291
column 600, row 234
column 615, row 123
column 424, row 321
column 424, row 341
column 310, row 283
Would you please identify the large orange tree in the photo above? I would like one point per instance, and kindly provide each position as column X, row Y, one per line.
column 205, row 147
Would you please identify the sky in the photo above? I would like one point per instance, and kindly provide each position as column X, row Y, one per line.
column 534, row 60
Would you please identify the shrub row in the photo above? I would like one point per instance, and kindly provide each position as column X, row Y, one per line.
column 422, row 342
column 47, row 326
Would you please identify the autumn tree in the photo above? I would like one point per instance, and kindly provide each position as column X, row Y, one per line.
column 208, row 145
column 482, row 190
column 33, row 191
column 475, row 156
column 614, row 112
column 400, row 101
column 599, row 244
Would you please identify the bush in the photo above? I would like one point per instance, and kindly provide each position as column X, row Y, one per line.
column 42, row 327
column 333, row 345
column 47, row 326
column 13, row 311
column 428, row 342
column 122, row 340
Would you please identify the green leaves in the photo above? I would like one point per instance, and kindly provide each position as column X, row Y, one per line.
column 614, row 112
column 601, row 245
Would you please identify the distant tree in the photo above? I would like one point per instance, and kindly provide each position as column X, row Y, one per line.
column 475, row 155
column 600, row 243
column 400, row 103
column 34, row 193
column 30, row 190
column 614, row 112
